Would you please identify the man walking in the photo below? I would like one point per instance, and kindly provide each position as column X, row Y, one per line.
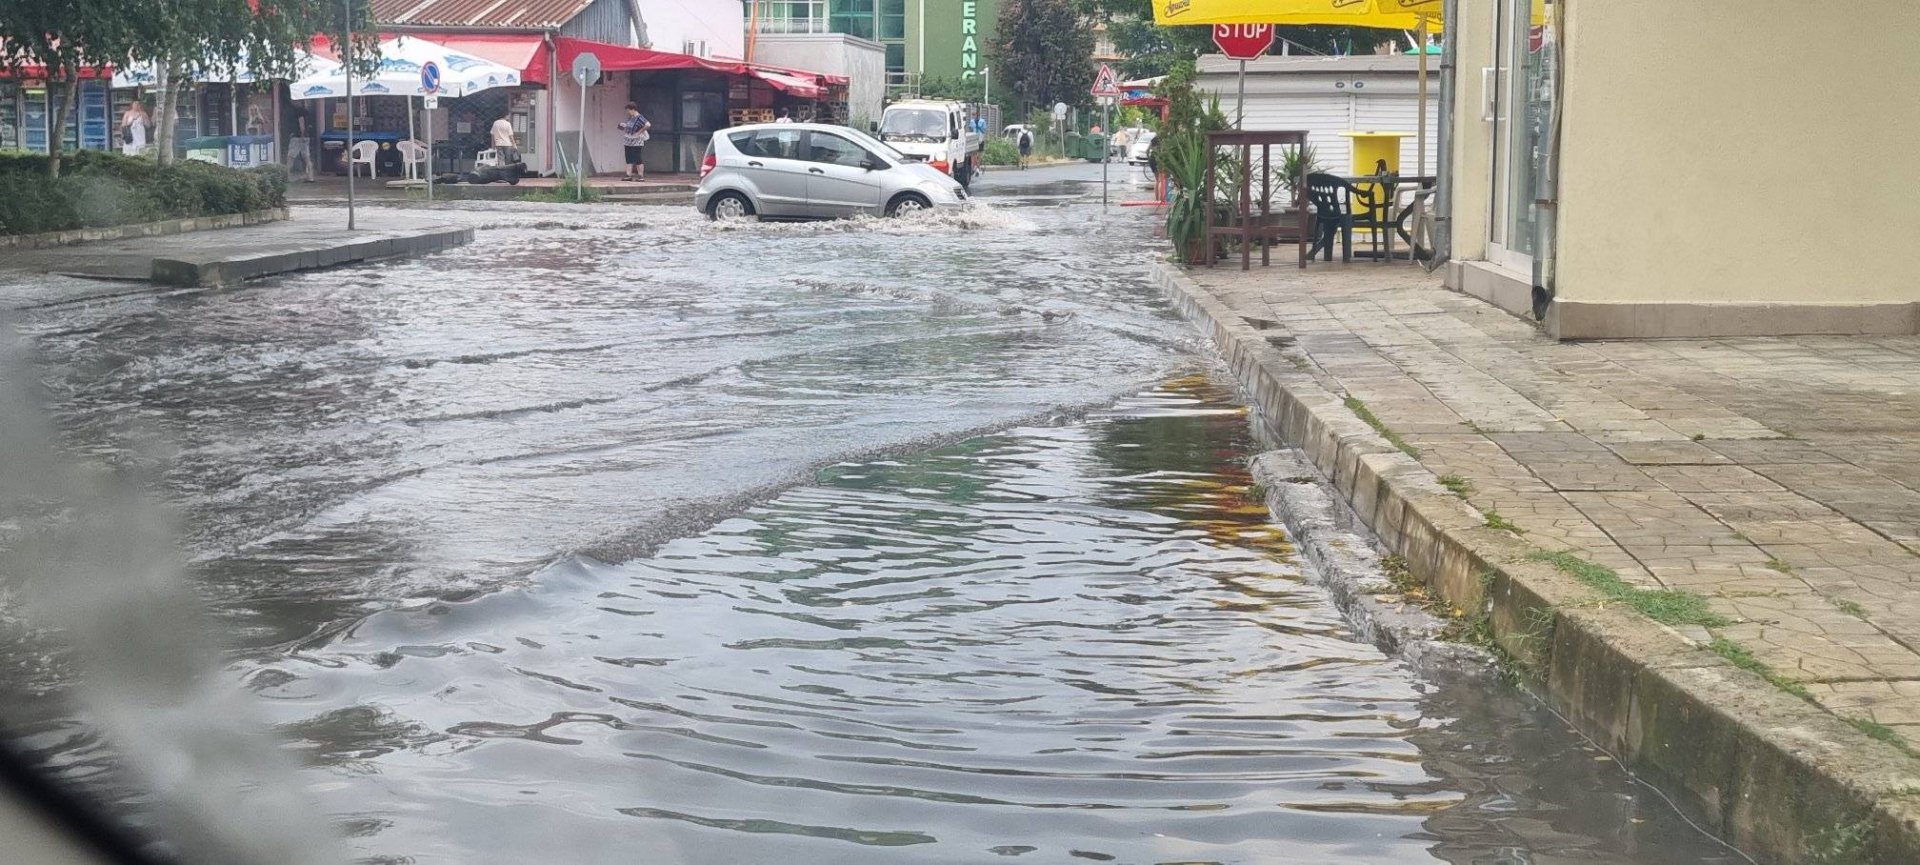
column 300, row 146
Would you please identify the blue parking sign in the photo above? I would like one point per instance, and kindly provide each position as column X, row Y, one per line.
column 430, row 77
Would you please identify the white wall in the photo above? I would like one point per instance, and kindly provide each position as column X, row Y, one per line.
column 862, row 61
column 1319, row 96
column 1761, row 157
column 721, row 23
column 606, row 107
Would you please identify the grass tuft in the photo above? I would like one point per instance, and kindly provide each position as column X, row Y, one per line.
column 1393, row 438
column 1850, row 608
column 1496, row 521
column 1738, row 656
column 1882, row 733
column 1457, row 485
column 1780, row 564
column 1668, row 606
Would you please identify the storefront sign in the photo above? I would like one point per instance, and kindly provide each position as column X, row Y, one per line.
column 969, row 35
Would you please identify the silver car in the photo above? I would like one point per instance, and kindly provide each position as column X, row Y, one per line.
column 814, row 171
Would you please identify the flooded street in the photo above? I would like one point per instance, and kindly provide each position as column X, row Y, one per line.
column 622, row 537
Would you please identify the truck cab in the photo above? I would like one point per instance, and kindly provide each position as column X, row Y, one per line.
column 936, row 132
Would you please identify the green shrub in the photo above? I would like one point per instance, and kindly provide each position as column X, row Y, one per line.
column 98, row 188
column 1000, row 151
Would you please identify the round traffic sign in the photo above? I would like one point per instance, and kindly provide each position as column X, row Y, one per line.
column 586, row 68
column 1243, row 41
column 430, row 78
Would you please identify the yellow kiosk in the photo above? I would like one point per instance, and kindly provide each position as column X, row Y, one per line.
column 1371, row 149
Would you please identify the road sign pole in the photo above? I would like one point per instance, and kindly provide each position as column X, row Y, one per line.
column 430, row 153
column 1106, row 152
column 580, row 156
column 1240, row 107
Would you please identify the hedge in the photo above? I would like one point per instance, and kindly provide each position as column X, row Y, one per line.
column 97, row 188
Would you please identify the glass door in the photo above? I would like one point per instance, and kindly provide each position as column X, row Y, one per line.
column 1523, row 85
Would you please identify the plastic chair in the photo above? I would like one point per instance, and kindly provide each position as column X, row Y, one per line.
column 1334, row 203
column 413, row 154
column 363, row 153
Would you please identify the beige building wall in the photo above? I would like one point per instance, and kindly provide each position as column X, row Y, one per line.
column 1723, row 170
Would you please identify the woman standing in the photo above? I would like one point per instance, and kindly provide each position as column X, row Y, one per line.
column 135, row 126
column 633, row 137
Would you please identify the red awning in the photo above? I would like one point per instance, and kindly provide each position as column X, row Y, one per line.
column 621, row 58
column 793, row 85
column 522, row 51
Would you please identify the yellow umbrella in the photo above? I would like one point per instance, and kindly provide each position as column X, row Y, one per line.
column 1394, row 14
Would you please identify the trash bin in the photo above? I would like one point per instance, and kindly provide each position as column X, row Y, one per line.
column 210, row 148
column 240, row 151
column 1095, row 149
column 1074, row 146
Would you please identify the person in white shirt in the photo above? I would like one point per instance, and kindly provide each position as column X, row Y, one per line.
column 783, row 118
column 503, row 141
column 134, row 125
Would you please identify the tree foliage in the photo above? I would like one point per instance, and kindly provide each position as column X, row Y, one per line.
column 1043, row 53
column 66, row 36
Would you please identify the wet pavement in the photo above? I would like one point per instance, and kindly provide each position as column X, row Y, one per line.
column 623, row 536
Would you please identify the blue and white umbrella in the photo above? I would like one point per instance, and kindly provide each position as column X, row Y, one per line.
column 145, row 74
column 399, row 73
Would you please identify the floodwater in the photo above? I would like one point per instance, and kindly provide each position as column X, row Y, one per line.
column 623, row 537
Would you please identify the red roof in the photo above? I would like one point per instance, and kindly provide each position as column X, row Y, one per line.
column 530, row 14
column 622, row 58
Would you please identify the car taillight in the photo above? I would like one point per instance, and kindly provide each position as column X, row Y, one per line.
column 944, row 166
column 707, row 164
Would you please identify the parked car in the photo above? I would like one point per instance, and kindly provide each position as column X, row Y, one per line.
column 1140, row 148
column 814, row 171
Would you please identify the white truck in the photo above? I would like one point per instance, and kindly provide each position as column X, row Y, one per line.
column 937, row 132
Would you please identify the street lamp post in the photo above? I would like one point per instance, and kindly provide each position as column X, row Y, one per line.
column 346, row 65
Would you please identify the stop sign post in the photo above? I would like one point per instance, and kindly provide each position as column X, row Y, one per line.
column 1242, row 42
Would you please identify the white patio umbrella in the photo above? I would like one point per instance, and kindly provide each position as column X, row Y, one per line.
column 399, row 73
column 401, row 59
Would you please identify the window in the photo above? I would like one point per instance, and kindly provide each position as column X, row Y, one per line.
column 854, row 18
column 793, row 16
column 768, row 143
column 834, row 150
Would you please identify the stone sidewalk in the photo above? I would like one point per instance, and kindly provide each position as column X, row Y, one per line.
column 219, row 257
column 1779, row 477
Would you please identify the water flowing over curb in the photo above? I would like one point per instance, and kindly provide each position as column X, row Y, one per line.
column 1775, row 776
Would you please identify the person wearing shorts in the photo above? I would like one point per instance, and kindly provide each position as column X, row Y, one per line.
column 633, row 135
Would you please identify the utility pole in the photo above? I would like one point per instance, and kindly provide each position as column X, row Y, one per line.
column 346, row 66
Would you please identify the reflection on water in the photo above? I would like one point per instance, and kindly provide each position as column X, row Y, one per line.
column 1061, row 643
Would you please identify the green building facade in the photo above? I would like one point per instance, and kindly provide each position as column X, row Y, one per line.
column 950, row 36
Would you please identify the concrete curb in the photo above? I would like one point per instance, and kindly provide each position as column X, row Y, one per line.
column 227, row 271
column 1776, row 777
column 142, row 229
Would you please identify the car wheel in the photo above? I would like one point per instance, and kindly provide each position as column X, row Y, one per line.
column 729, row 207
column 907, row 204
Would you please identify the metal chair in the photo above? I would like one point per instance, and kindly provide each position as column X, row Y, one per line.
column 413, row 154
column 364, row 153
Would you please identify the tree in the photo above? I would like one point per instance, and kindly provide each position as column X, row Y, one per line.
column 1043, row 53
column 69, row 36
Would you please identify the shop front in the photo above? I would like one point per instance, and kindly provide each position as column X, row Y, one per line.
column 686, row 99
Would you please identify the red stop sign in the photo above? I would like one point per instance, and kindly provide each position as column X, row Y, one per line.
column 1243, row 41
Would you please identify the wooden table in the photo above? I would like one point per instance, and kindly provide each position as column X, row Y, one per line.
column 1295, row 223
